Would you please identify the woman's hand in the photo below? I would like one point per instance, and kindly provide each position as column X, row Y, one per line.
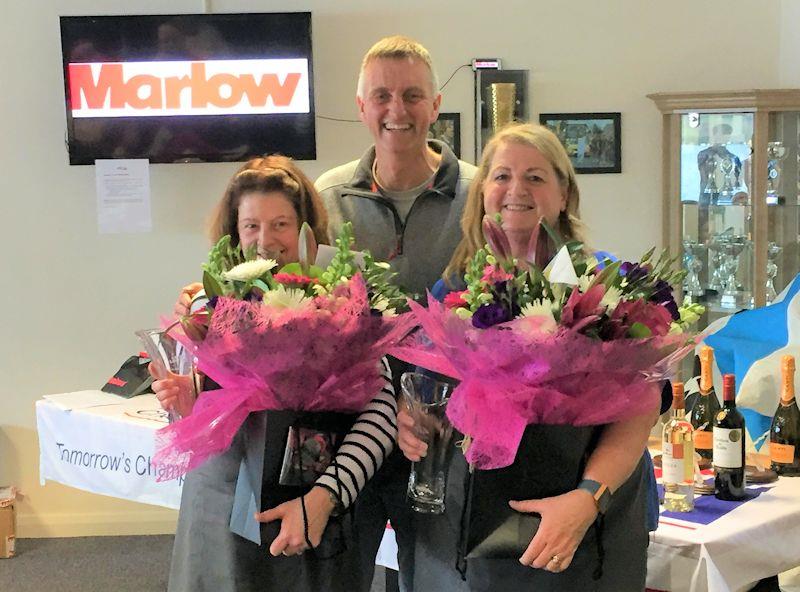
column 291, row 540
column 173, row 391
column 184, row 303
column 565, row 520
column 413, row 448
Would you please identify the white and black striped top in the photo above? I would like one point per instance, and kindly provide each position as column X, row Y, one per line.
column 366, row 446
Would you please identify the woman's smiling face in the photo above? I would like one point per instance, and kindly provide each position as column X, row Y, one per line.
column 522, row 186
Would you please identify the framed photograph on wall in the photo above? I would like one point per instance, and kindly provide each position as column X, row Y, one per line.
column 593, row 140
column 448, row 129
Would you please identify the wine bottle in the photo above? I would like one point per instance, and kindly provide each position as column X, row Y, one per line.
column 677, row 456
column 705, row 407
column 729, row 434
column 784, row 433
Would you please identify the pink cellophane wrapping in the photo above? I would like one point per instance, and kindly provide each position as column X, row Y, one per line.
column 325, row 358
column 513, row 374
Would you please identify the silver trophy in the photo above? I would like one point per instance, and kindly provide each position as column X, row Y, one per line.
column 727, row 167
column 693, row 264
column 776, row 152
column 773, row 250
column 712, row 189
column 731, row 248
column 716, row 260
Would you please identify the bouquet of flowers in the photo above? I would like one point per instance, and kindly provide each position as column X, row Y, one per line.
column 574, row 341
column 295, row 338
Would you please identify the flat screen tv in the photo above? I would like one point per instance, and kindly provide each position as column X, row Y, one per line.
column 189, row 87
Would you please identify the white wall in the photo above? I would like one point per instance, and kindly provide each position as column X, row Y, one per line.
column 71, row 298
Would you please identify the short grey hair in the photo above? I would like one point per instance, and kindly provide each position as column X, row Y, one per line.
column 397, row 47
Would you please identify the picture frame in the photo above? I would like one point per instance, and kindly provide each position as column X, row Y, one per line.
column 583, row 134
column 447, row 128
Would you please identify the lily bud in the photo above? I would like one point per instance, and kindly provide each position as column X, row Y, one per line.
column 496, row 239
column 306, row 247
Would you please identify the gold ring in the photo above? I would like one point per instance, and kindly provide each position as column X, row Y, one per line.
column 555, row 559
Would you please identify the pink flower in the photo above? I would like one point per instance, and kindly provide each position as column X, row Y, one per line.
column 496, row 238
column 627, row 313
column 455, row 299
column 293, row 279
column 583, row 309
column 493, row 274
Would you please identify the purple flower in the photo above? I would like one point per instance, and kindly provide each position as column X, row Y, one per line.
column 633, row 272
column 489, row 315
column 662, row 294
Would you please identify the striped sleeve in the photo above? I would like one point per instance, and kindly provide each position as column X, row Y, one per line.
column 366, row 445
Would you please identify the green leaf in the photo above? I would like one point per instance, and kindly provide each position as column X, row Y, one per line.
column 211, row 285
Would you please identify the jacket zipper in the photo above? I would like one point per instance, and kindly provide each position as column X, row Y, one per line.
column 399, row 225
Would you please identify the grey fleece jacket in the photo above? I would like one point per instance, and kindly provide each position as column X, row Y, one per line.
column 418, row 249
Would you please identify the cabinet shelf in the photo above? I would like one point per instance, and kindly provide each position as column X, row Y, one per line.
column 731, row 181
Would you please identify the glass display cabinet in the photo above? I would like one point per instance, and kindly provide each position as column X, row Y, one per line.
column 732, row 194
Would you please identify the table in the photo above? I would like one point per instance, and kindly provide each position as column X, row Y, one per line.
column 758, row 539
column 105, row 449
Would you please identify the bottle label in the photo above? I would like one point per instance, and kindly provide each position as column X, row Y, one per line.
column 703, row 440
column 676, row 465
column 781, row 453
column 728, row 448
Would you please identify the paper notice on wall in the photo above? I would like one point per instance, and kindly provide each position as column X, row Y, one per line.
column 123, row 196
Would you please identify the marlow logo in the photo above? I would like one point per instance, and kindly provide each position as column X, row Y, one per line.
column 212, row 87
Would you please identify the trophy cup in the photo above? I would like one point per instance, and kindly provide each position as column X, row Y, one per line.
column 502, row 101
column 716, row 261
column 732, row 247
column 776, row 152
column 773, row 250
column 711, row 190
column 727, row 168
column 692, row 286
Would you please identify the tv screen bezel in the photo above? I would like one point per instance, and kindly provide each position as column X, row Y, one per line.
column 84, row 157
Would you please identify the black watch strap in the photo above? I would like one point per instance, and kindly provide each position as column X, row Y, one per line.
column 600, row 493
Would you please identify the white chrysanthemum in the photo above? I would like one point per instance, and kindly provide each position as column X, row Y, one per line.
column 584, row 283
column 380, row 304
column 542, row 310
column 382, row 264
column 283, row 297
column 611, row 298
column 250, row 270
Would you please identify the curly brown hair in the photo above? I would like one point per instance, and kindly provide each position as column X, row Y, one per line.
column 263, row 175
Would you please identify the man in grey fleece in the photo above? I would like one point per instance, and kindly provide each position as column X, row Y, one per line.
column 404, row 197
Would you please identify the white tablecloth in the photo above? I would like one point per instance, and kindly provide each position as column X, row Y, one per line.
column 104, row 449
column 758, row 539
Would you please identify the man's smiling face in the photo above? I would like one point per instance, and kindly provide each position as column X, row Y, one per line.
column 398, row 103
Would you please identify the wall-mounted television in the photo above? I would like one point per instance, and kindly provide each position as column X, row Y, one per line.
column 188, row 87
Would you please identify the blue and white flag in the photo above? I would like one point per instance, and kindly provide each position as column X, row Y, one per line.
column 750, row 345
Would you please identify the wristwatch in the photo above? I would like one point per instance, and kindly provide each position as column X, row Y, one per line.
column 600, row 493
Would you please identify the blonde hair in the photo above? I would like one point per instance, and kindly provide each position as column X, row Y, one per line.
column 264, row 175
column 397, row 47
column 569, row 224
